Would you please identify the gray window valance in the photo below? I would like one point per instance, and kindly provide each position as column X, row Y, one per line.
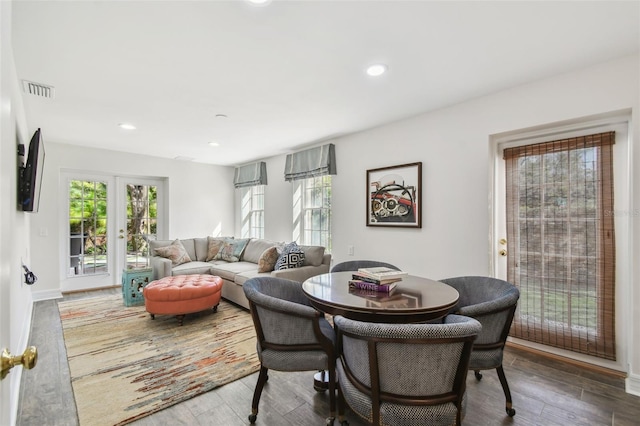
column 318, row 161
column 250, row 175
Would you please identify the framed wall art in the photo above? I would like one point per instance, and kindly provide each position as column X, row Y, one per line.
column 394, row 196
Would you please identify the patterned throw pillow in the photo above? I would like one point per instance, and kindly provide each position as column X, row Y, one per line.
column 268, row 259
column 232, row 249
column 174, row 252
column 292, row 257
column 215, row 244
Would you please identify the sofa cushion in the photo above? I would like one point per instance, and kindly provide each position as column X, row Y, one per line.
column 242, row 277
column 292, row 257
column 268, row 259
column 313, row 255
column 194, row 267
column 201, row 246
column 229, row 270
column 255, row 248
column 190, row 247
column 174, row 252
column 232, row 249
column 213, row 247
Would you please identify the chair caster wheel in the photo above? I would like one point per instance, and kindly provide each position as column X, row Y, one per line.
column 344, row 423
column 329, row 421
column 252, row 418
column 511, row 412
column 478, row 375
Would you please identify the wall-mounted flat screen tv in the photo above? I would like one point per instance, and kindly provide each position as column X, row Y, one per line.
column 31, row 175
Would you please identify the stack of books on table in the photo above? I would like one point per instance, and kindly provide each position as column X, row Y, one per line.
column 380, row 279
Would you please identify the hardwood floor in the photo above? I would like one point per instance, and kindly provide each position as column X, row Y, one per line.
column 545, row 392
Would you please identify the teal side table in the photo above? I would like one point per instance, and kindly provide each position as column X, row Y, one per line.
column 133, row 282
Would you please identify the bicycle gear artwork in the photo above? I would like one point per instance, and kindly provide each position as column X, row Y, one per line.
column 394, row 196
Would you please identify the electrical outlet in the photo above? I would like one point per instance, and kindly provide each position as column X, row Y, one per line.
column 350, row 250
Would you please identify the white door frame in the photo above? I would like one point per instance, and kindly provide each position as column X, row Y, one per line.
column 620, row 122
column 116, row 202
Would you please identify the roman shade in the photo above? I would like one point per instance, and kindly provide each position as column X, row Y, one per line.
column 560, row 227
column 250, row 175
column 318, row 161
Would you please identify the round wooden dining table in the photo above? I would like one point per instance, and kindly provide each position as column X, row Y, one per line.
column 413, row 300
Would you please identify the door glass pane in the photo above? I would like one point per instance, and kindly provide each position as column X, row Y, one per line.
column 87, row 227
column 142, row 215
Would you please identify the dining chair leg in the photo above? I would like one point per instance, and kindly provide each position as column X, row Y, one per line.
column 262, row 379
column 332, row 393
column 505, row 386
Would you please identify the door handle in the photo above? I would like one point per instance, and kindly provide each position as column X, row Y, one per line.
column 28, row 360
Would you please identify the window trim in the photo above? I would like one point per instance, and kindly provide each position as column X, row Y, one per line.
column 247, row 217
column 299, row 189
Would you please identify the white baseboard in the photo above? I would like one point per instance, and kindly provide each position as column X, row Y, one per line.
column 633, row 384
column 37, row 296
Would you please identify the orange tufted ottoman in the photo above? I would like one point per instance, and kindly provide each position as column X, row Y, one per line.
column 182, row 294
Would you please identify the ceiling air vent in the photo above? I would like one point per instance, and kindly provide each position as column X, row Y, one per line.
column 38, row 89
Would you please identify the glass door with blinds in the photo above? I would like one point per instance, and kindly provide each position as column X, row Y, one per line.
column 561, row 242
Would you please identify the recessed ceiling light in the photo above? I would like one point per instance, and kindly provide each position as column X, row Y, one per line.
column 259, row 2
column 221, row 116
column 376, row 70
column 214, row 144
column 127, row 126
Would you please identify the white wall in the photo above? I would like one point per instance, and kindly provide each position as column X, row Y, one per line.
column 15, row 296
column 200, row 201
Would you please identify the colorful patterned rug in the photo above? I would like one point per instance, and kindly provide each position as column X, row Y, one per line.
column 125, row 366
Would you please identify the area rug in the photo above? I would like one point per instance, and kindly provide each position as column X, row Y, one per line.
column 125, row 366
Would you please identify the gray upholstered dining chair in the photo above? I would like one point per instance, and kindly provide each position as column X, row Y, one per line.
column 354, row 265
column 291, row 335
column 492, row 302
column 404, row 374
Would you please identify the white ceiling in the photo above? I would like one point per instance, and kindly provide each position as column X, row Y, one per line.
column 290, row 73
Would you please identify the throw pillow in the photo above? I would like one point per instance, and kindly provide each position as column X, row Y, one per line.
column 292, row 257
column 268, row 259
column 232, row 249
column 174, row 252
column 215, row 244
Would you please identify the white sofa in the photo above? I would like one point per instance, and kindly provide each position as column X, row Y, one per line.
column 234, row 274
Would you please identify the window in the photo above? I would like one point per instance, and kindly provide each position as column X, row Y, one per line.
column 87, row 227
column 253, row 212
column 142, row 223
column 312, row 211
column 561, row 232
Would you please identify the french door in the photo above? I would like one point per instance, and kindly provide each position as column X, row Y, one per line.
column 138, row 221
column 109, row 223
